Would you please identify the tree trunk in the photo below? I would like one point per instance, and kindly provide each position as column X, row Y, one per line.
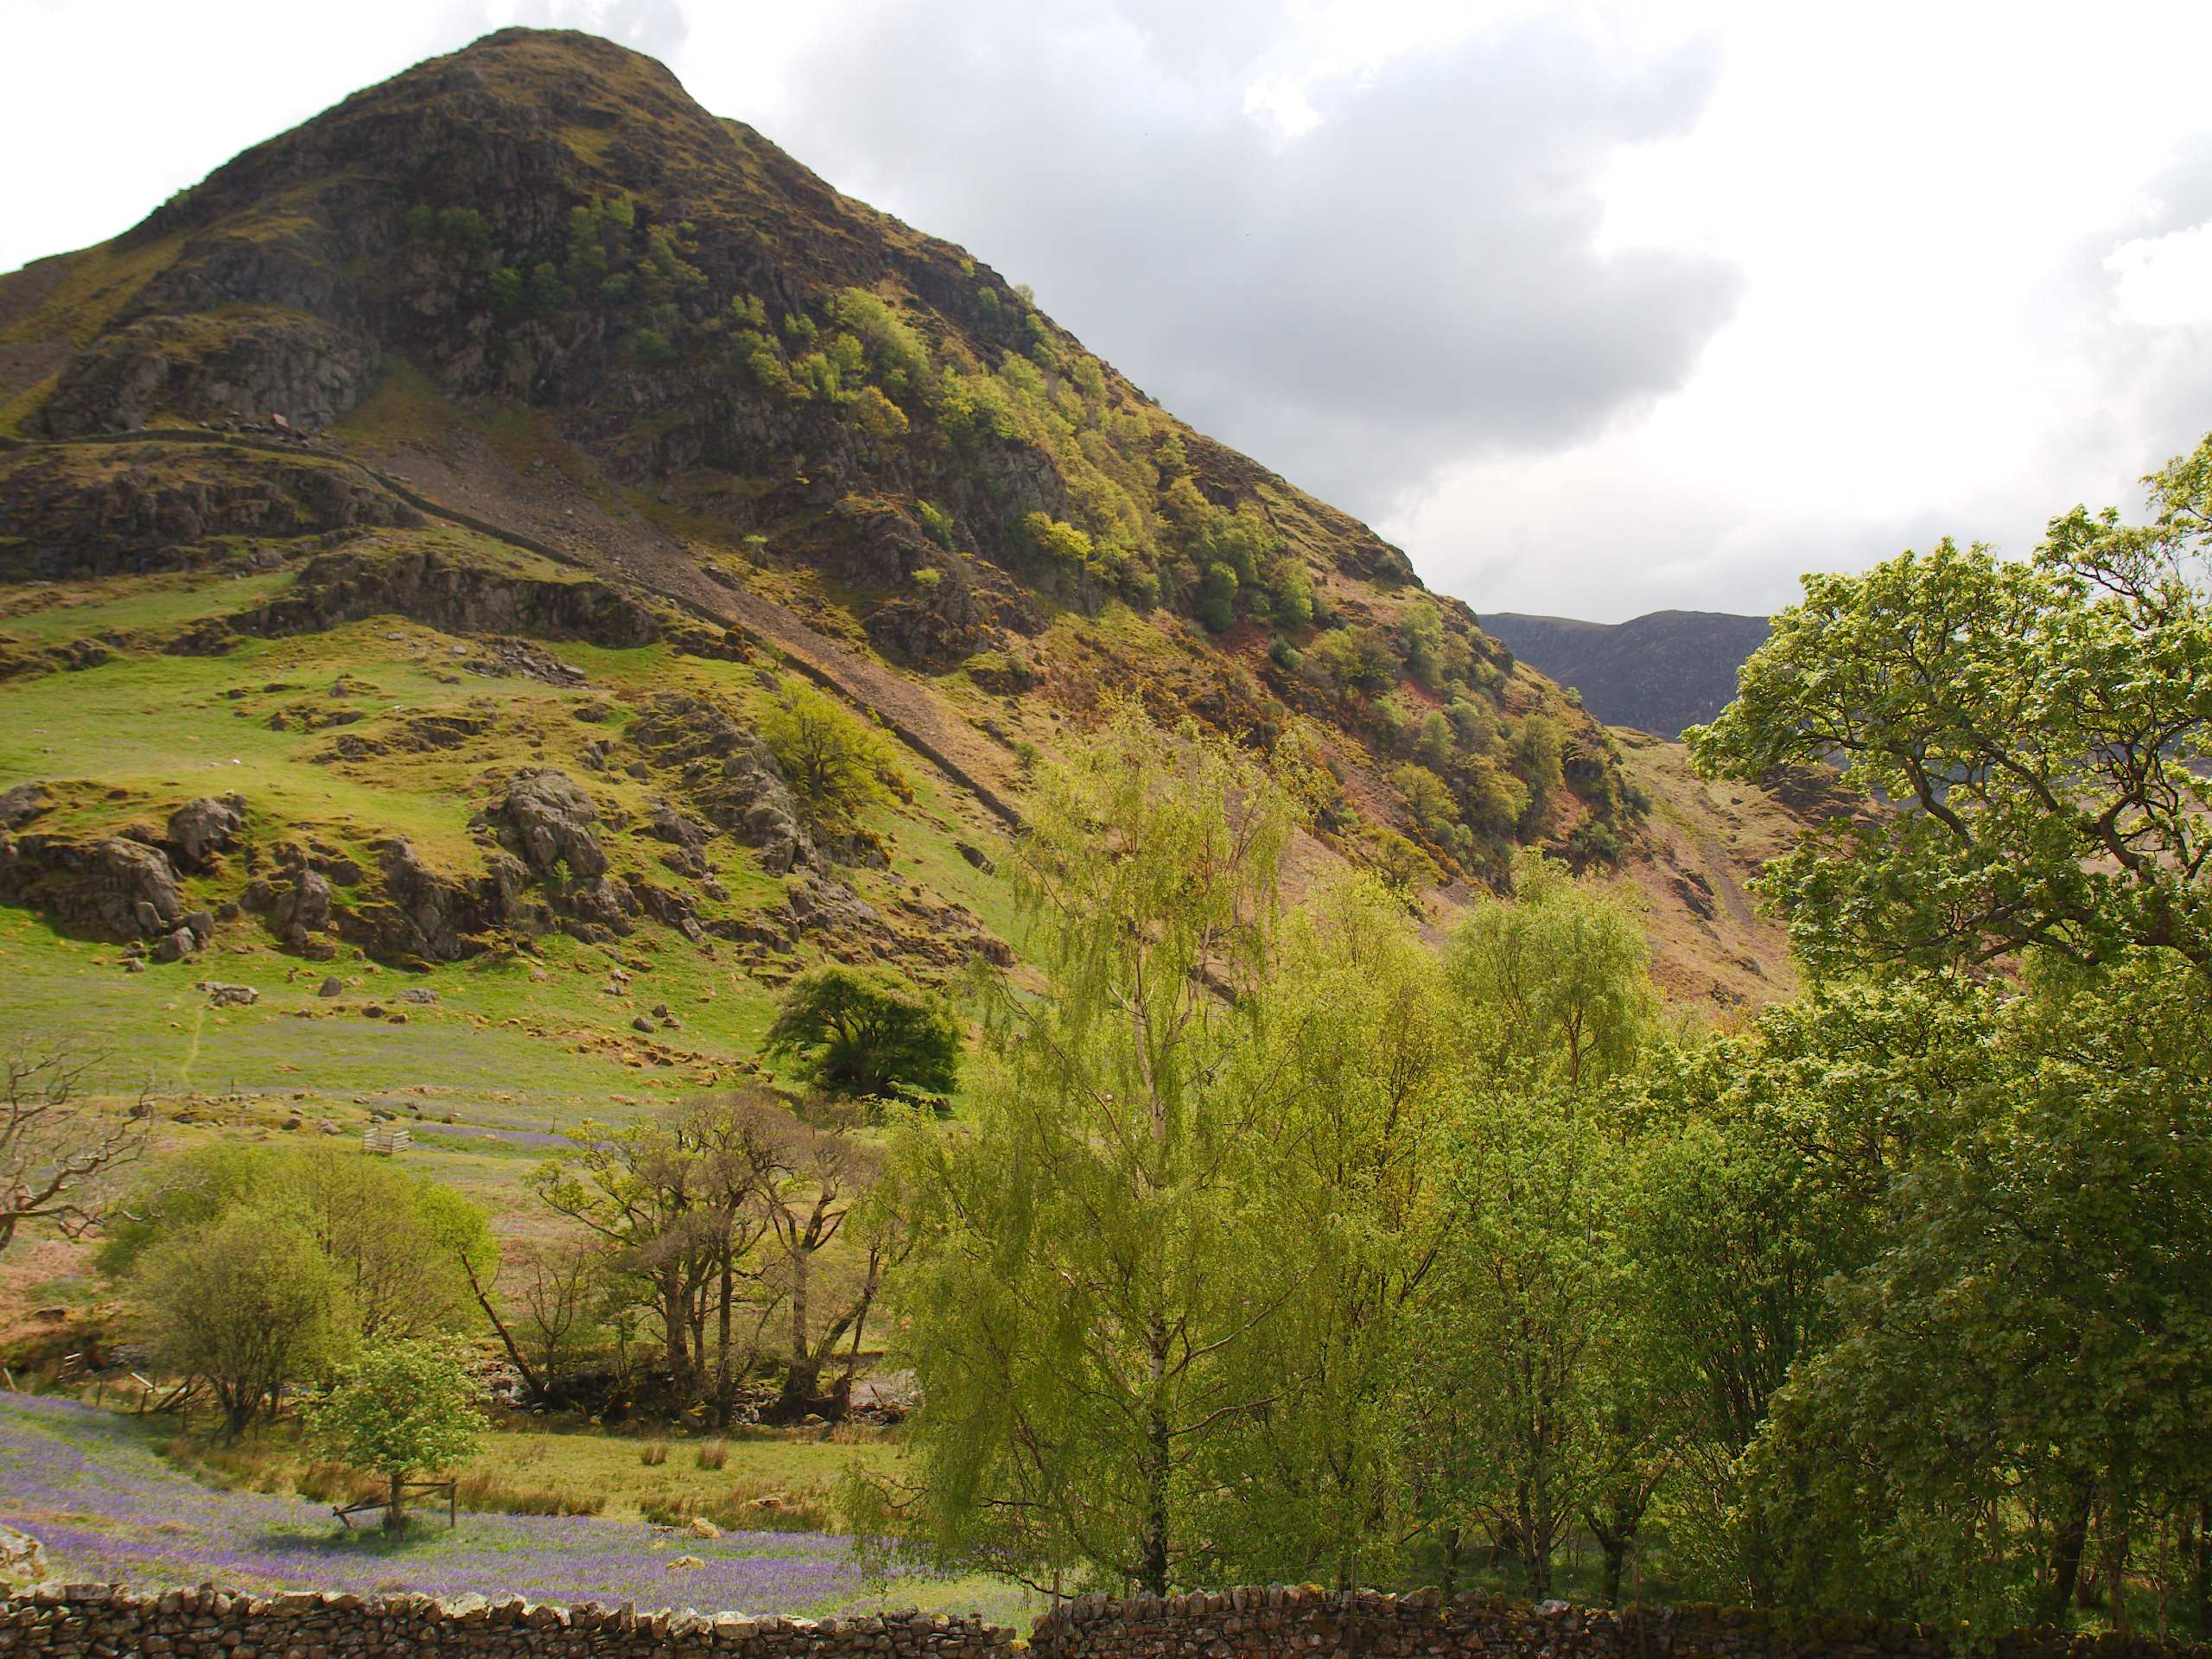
column 2065, row 1563
column 803, row 1379
column 1154, row 1575
column 2112, row 1537
column 531, row 1379
column 674, row 1318
column 1616, row 1553
column 2201, row 1573
column 1451, row 1542
column 395, row 1514
column 1535, row 1553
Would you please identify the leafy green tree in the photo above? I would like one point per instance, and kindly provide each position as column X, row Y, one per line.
column 1065, row 542
column 1530, row 1285
column 1555, row 984
column 1217, row 600
column 2040, row 724
column 2023, row 1369
column 1092, row 1258
column 1429, row 803
column 1293, row 605
column 677, row 1202
column 867, row 1031
column 1554, row 1006
column 403, row 1244
column 248, row 1301
column 1357, row 1027
column 400, row 1409
column 1420, row 642
column 837, row 764
column 1763, row 1172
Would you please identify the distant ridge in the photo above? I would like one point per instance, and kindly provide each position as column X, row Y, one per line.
column 1658, row 673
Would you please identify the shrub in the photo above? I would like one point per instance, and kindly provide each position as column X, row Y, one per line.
column 1294, row 607
column 713, row 1454
column 653, row 1453
column 1217, row 601
column 878, row 416
column 1056, row 539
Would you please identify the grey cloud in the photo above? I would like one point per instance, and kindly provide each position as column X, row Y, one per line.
column 1409, row 284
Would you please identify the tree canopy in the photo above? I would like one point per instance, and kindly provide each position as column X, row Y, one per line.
column 867, row 1031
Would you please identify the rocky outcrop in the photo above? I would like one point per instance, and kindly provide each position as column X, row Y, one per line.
column 296, row 905
column 687, row 841
column 237, row 364
column 415, row 913
column 424, row 584
column 100, row 510
column 200, row 830
column 600, row 911
column 549, row 823
column 116, row 888
column 728, row 775
column 23, row 803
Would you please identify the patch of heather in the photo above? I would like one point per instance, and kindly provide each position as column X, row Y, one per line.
column 107, row 1507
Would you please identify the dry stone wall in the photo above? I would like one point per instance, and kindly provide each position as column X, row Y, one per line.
column 1287, row 1622
column 96, row 1621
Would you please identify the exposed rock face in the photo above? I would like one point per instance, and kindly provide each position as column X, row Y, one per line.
column 268, row 362
column 117, row 888
column 103, row 510
column 728, row 774
column 549, row 823
column 600, row 911
column 419, row 913
column 687, row 841
column 200, row 830
column 335, row 589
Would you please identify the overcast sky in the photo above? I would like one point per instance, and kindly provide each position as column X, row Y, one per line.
column 1596, row 309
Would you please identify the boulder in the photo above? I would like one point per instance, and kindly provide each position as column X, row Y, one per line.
column 228, row 996
column 200, row 830
column 547, row 822
column 118, row 888
column 25, row 802
column 330, row 987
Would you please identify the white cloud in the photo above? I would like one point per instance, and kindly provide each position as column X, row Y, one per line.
column 2163, row 281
